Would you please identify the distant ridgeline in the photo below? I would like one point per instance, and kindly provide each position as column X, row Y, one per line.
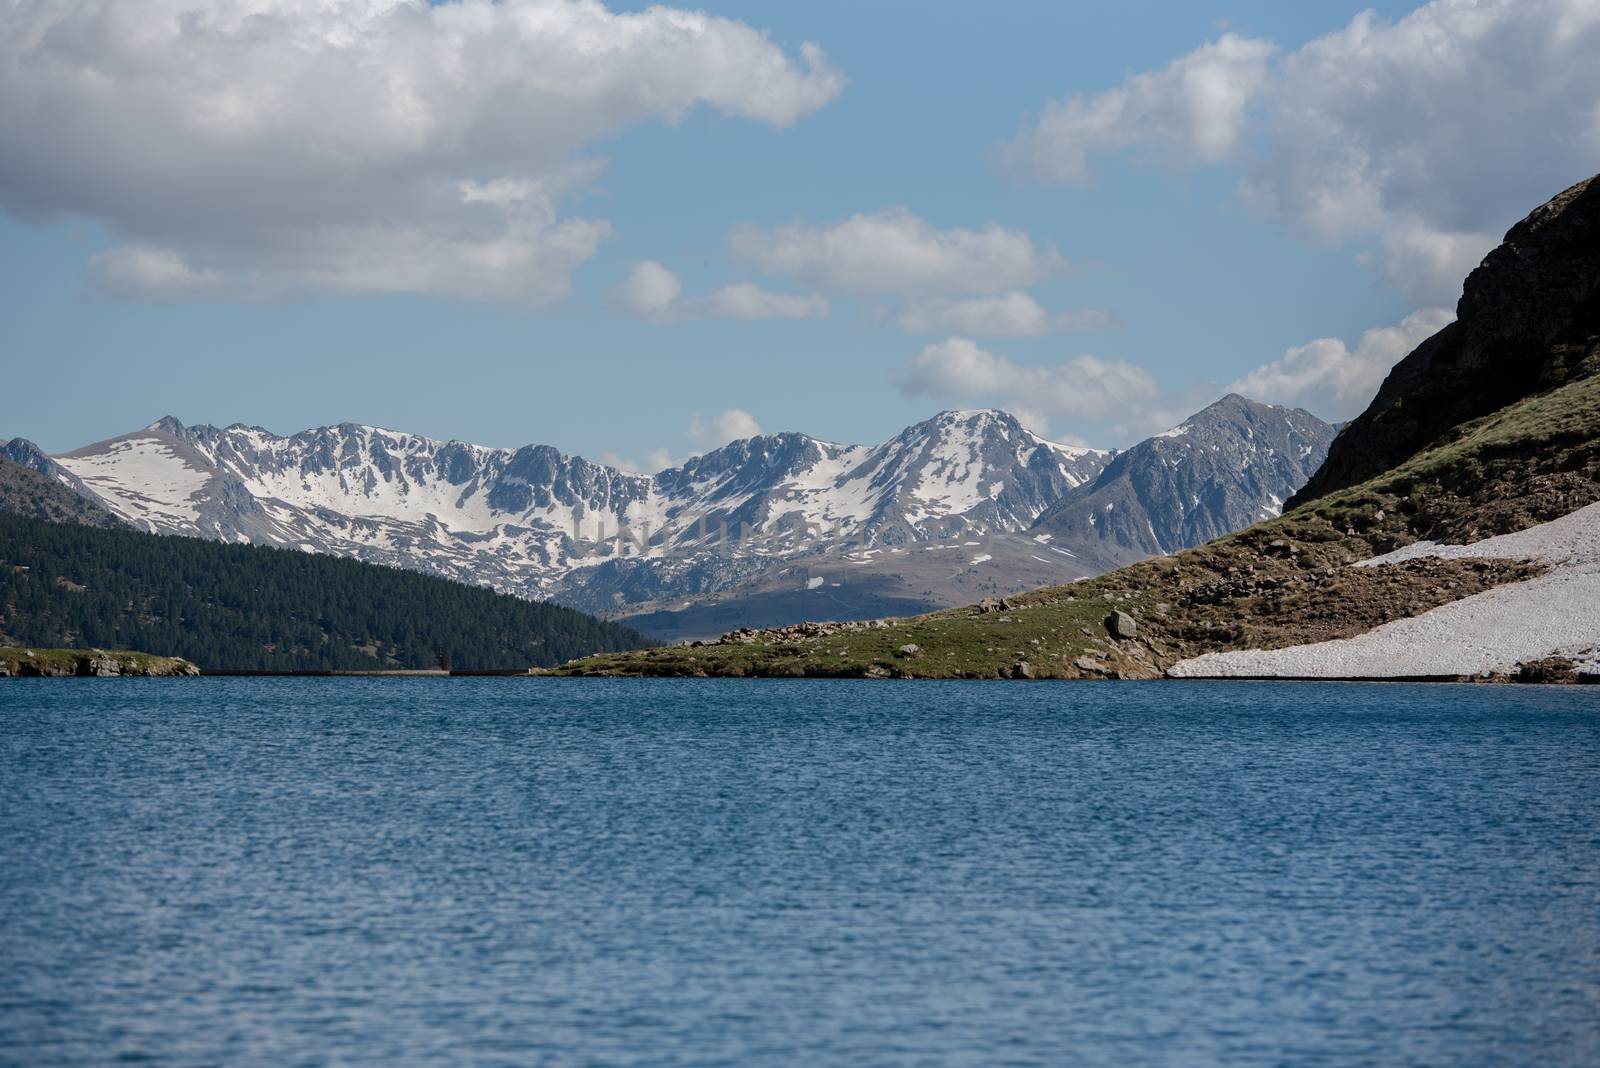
column 244, row 607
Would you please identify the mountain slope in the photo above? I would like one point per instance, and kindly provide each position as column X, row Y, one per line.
column 1223, row 468
column 243, row 607
column 1326, row 570
column 25, row 491
column 1528, row 321
column 1283, row 582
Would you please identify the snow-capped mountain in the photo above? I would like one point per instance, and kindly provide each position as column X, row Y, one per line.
column 946, row 509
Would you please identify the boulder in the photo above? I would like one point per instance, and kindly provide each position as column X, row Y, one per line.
column 908, row 649
column 1022, row 670
column 1120, row 624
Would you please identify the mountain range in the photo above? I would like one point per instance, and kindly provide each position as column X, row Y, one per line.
column 762, row 531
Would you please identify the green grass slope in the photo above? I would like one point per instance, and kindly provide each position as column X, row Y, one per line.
column 249, row 608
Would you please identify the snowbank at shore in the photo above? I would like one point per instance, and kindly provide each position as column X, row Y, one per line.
column 1490, row 633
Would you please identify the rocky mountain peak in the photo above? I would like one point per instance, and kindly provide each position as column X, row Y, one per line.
column 26, row 453
column 1226, row 466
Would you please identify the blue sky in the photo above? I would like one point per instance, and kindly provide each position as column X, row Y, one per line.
column 1188, row 225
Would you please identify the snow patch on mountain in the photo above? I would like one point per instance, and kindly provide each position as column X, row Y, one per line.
column 144, row 480
column 1490, row 633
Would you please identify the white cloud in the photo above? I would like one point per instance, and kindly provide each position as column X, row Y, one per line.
column 1433, row 134
column 746, row 300
column 717, row 431
column 1086, row 388
column 138, row 270
column 1010, row 314
column 896, row 252
column 262, row 148
column 703, row 435
column 653, row 292
column 650, row 291
column 1194, row 107
column 652, row 462
column 1327, row 377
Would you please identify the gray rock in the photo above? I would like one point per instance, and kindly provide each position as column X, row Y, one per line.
column 1120, row 624
column 1022, row 670
column 909, row 649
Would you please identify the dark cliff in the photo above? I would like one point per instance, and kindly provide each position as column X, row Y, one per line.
column 1528, row 321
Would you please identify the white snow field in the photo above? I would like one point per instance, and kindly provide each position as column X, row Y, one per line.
column 1490, row 633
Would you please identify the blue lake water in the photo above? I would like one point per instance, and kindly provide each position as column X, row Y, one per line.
column 598, row 872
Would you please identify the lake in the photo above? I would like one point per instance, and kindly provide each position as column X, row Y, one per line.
column 677, row 872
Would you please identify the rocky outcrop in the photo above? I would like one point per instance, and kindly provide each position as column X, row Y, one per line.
column 89, row 663
column 1527, row 322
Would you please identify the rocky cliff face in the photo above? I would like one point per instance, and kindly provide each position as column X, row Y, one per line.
column 1225, row 467
column 1528, row 321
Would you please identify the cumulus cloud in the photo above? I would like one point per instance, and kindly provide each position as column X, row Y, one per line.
column 1010, row 314
column 653, row 461
column 650, row 291
column 717, row 431
column 1194, row 107
column 1433, row 133
column 1329, row 378
column 746, row 300
column 703, row 434
column 896, row 252
column 138, row 271
column 1086, row 388
column 653, row 292
column 273, row 147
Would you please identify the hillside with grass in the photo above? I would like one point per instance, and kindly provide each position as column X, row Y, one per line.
column 241, row 607
column 1290, row 581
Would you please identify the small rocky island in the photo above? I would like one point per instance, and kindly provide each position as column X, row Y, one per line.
column 88, row 663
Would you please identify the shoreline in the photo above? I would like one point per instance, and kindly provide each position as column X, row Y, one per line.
column 1577, row 679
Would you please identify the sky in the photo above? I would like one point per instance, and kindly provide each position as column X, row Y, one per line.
column 638, row 232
